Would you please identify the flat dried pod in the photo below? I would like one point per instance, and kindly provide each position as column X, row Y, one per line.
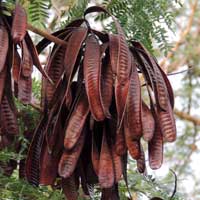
column 92, row 75
column 141, row 166
column 19, row 24
column 110, row 193
column 123, row 70
column 69, row 188
column 134, row 105
column 49, row 162
column 168, row 85
column 133, row 145
column 74, row 45
column 34, row 153
column 4, row 42
column 95, row 156
column 55, row 69
column 69, row 159
column 106, row 82
column 114, row 49
column 76, row 122
column 123, row 61
column 8, row 117
column 25, row 89
column 117, row 164
column 167, row 124
column 120, row 142
column 2, row 82
column 155, row 149
column 16, row 65
column 148, row 122
column 72, row 52
column 106, row 170
column 27, row 62
column 48, row 168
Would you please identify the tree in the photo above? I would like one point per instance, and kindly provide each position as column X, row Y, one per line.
column 143, row 32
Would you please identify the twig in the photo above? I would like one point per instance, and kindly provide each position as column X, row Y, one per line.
column 185, row 116
column 175, row 183
column 36, row 107
column 46, row 35
column 183, row 35
column 180, row 72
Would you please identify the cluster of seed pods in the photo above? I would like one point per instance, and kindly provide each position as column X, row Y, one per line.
column 94, row 114
column 17, row 57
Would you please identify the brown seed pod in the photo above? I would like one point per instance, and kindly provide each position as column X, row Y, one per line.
column 77, row 122
column 92, row 74
column 4, row 45
column 148, row 122
column 19, row 24
column 69, row 159
column 27, row 62
column 106, row 170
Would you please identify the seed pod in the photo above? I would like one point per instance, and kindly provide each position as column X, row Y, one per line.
column 155, row 149
column 19, row 24
column 8, row 117
column 148, row 122
column 3, row 46
column 106, row 170
column 76, row 122
column 92, row 75
column 69, row 188
column 69, row 159
column 27, row 62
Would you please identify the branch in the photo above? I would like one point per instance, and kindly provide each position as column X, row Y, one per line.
column 183, row 35
column 46, row 35
column 185, row 116
column 36, row 107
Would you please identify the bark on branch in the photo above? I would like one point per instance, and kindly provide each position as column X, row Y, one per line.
column 185, row 116
column 183, row 35
column 46, row 35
